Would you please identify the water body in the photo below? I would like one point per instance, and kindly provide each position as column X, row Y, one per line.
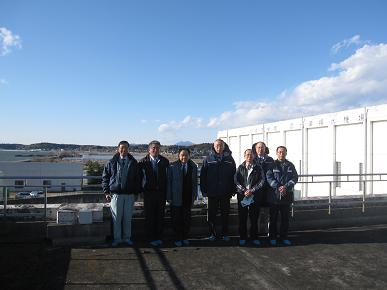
column 22, row 155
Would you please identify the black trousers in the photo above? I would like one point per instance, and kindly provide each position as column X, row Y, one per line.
column 154, row 207
column 284, row 210
column 251, row 211
column 181, row 221
column 214, row 203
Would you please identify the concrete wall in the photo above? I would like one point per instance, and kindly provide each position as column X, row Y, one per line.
column 346, row 142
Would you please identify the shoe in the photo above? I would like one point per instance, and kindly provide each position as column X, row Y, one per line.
column 211, row 238
column 129, row 242
column 273, row 242
column 286, row 242
column 154, row 243
column 226, row 238
column 242, row 242
column 185, row 242
column 178, row 243
column 257, row 243
column 159, row 242
column 115, row 244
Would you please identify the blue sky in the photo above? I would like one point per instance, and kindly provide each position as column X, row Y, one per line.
column 97, row 72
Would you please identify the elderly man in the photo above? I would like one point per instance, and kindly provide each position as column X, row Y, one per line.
column 154, row 176
column 282, row 177
column 217, row 183
column 120, row 183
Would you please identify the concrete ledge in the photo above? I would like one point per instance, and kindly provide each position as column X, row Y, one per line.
column 78, row 234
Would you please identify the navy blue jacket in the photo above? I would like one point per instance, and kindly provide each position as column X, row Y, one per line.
column 149, row 181
column 282, row 173
column 110, row 179
column 255, row 181
column 217, row 174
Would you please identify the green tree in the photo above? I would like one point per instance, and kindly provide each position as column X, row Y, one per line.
column 93, row 168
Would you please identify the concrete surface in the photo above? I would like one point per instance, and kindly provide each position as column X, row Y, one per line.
column 336, row 258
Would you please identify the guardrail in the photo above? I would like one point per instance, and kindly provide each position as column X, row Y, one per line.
column 330, row 179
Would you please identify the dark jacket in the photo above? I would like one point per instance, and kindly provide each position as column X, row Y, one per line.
column 151, row 182
column 110, row 178
column 282, row 173
column 266, row 164
column 217, row 174
column 255, row 181
column 175, row 182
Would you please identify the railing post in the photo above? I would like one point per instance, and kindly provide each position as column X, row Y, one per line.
column 364, row 196
column 330, row 198
column 292, row 207
column 5, row 192
column 45, row 203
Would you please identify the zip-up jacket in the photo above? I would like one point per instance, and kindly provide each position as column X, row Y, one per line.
column 110, row 176
column 217, row 174
column 150, row 181
column 254, row 181
column 282, row 174
column 175, row 182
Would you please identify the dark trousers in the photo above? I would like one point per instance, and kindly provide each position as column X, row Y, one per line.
column 251, row 211
column 214, row 203
column 154, row 207
column 284, row 210
column 181, row 221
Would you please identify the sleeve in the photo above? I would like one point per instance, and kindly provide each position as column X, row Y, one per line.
column 169, row 183
column 293, row 180
column 137, row 178
column 194, row 181
column 203, row 177
column 261, row 182
column 237, row 177
column 271, row 179
column 106, row 174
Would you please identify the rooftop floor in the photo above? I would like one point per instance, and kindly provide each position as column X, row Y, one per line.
column 340, row 258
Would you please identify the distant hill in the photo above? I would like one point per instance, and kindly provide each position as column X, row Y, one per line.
column 196, row 149
column 184, row 143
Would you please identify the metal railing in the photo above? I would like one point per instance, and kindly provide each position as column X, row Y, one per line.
column 330, row 179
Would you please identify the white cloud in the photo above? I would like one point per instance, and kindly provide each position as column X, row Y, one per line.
column 188, row 121
column 354, row 40
column 143, row 121
column 3, row 82
column 8, row 40
column 359, row 80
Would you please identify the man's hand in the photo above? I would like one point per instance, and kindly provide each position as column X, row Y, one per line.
column 248, row 193
column 108, row 197
column 282, row 190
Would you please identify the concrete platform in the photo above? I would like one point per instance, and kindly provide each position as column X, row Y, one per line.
column 336, row 258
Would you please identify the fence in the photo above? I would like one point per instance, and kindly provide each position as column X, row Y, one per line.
column 330, row 181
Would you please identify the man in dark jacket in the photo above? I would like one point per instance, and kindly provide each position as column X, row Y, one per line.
column 181, row 194
column 154, row 177
column 120, row 183
column 217, row 183
column 249, row 180
column 282, row 178
column 261, row 156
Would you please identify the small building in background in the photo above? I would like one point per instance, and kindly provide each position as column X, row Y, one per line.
column 44, row 176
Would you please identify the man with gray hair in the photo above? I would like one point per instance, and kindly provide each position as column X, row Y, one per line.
column 217, row 183
column 154, row 177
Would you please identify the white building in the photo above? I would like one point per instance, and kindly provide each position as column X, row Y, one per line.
column 346, row 142
column 44, row 174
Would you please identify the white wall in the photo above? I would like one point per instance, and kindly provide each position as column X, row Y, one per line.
column 351, row 137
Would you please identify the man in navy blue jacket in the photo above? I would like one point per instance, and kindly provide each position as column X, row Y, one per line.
column 154, row 178
column 282, row 177
column 120, row 183
column 217, row 183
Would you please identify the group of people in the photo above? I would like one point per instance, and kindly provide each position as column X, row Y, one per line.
column 259, row 181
